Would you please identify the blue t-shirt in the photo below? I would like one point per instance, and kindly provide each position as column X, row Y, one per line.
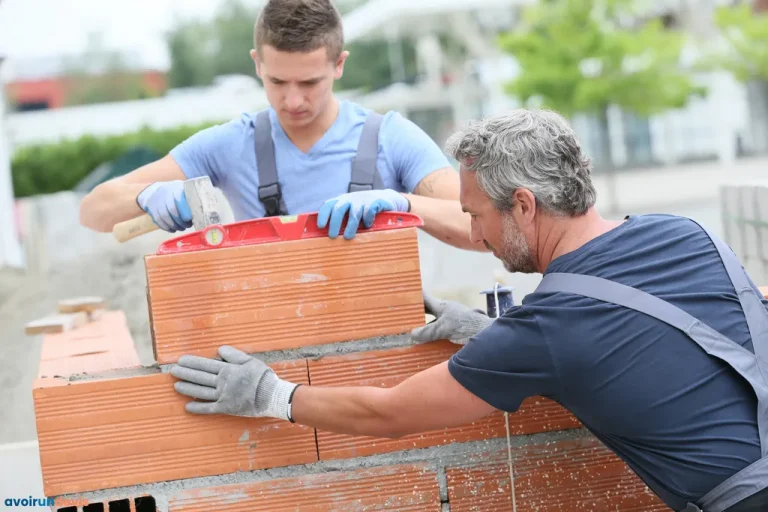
column 226, row 153
column 682, row 420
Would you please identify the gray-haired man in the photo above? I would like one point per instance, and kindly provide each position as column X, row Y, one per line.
column 647, row 329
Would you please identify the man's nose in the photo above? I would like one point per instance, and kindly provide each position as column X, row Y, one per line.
column 294, row 98
column 475, row 233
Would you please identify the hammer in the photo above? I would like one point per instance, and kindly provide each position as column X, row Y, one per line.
column 203, row 204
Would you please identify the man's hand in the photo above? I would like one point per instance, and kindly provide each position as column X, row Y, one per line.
column 453, row 321
column 240, row 385
column 166, row 203
column 363, row 206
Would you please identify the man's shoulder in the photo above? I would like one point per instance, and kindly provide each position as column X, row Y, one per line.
column 636, row 252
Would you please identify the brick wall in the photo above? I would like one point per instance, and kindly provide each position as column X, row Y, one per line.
column 120, row 438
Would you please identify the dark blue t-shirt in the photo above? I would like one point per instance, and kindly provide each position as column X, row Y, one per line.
column 682, row 420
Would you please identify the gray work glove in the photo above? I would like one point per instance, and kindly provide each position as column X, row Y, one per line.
column 453, row 321
column 240, row 385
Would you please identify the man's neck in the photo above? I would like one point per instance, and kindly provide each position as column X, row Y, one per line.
column 306, row 136
column 564, row 235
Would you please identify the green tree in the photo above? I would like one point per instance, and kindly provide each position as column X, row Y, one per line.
column 200, row 51
column 745, row 34
column 581, row 56
column 233, row 35
column 190, row 46
column 369, row 65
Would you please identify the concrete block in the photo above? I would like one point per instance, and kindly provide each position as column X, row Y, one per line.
column 285, row 294
column 730, row 200
column 762, row 235
column 733, row 235
column 577, row 474
column 76, row 304
column 755, row 269
column 402, row 487
column 753, row 245
column 748, row 202
column 55, row 324
column 761, row 197
column 112, row 432
column 388, row 368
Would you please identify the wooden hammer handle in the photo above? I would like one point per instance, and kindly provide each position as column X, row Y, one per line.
column 132, row 228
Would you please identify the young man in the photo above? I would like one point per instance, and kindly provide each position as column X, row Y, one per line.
column 648, row 330
column 307, row 152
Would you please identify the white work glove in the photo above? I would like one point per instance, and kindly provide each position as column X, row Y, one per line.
column 453, row 321
column 166, row 203
column 240, row 385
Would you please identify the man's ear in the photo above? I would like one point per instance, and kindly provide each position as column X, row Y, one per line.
column 339, row 71
column 255, row 57
column 527, row 202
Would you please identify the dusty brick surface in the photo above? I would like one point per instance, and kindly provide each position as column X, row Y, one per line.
column 108, row 433
column 284, row 294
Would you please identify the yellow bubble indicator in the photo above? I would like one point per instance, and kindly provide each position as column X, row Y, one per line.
column 214, row 235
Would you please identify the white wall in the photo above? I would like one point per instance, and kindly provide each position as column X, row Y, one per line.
column 10, row 247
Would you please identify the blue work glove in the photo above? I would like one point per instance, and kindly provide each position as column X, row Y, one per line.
column 364, row 205
column 166, row 203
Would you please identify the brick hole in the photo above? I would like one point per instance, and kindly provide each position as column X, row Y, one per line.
column 120, row 506
column 94, row 507
column 145, row 504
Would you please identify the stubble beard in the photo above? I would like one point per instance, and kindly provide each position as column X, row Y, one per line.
column 515, row 253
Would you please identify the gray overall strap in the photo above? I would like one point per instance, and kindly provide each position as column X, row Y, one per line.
column 365, row 176
column 270, row 194
column 753, row 478
column 752, row 305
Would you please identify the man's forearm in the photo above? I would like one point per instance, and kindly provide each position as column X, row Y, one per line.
column 109, row 203
column 444, row 220
column 346, row 410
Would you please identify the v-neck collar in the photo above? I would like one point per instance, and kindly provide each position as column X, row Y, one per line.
column 322, row 142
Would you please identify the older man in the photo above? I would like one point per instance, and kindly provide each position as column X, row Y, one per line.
column 647, row 329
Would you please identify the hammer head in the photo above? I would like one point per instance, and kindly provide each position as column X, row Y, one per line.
column 203, row 202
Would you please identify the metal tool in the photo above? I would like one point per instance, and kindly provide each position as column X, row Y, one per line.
column 203, row 203
column 274, row 229
column 505, row 300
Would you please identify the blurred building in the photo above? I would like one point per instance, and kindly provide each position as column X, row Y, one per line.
column 56, row 82
column 451, row 86
column 10, row 245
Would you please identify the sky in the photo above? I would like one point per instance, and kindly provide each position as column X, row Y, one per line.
column 48, row 28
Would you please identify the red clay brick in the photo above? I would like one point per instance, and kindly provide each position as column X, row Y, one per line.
column 564, row 476
column 103, row 344
column 401, row 488
column 284, row 294
column 124, row 431
column 386, row 368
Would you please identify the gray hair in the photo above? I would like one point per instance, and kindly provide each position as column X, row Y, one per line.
column 532, row 149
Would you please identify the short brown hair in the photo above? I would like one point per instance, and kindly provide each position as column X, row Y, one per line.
column 300, row 26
